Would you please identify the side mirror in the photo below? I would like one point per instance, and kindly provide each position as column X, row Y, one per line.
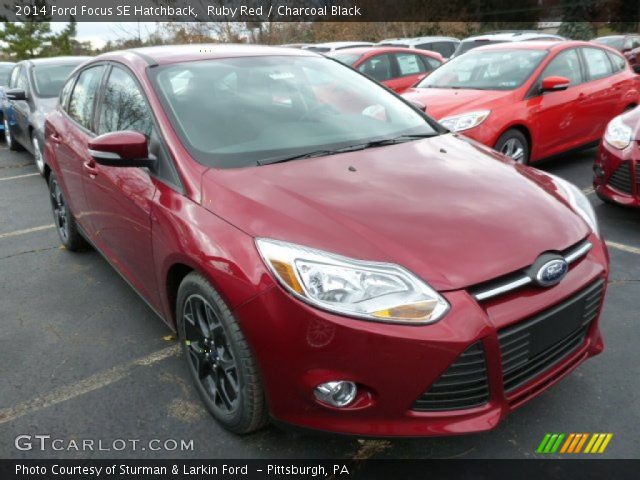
column 121, row 149
column 16, row 94
column 554, row 84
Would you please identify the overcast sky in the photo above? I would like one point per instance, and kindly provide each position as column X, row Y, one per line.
column 98, row 33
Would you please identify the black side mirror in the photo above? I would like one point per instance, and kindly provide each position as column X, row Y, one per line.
column 16, row 94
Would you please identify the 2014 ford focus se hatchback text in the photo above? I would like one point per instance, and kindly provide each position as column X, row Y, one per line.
column 330, row 256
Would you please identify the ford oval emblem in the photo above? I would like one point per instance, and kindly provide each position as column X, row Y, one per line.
column 552, row 272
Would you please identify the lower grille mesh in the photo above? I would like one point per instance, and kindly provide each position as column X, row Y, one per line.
column 463, row 385
column 621, row 179
column 537, row 344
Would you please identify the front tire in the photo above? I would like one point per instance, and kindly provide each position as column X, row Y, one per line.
column 223, row 369
column 515, row 145
column 8, row 138
column 37, row 153
column 64, row 220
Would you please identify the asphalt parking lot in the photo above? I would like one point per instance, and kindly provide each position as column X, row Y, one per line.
column 82, row 357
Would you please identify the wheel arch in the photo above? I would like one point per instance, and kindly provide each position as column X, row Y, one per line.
column 522, row 128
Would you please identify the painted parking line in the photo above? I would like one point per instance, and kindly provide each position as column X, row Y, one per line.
column 588, row 191
column 623, row 247
column 26, row 231
column 90, row 384
column 16, row 177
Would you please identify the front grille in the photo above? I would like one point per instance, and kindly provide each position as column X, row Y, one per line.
column 621, row 179
column 537, row 344
column 463, row 385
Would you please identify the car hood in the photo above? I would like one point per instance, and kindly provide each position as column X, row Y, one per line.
column 447, row 208
column 443, row 102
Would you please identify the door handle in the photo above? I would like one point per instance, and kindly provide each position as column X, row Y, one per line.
column 55, row 138
column 90, row 168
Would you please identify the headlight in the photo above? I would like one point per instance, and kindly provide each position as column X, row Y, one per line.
column 374, row 291
column 618, row 134
column 458, row 123
column 579, row 202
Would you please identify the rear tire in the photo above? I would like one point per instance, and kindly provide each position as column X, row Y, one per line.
column 223, row 369
column 64, row 220
column 515, row 145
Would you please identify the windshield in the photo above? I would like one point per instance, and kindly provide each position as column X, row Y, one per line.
column 318, row 49
column 48, row 80
column 347, row 58
column 486, row 70
column 467, row 45
column 5, row 71
column 237, row 112
column 613, row 42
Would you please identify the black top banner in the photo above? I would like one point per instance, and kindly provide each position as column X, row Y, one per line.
column 322, row 10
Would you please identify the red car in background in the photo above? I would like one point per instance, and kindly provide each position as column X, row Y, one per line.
column 628, row 44
column 617, row 167
column 396, row 67
column 530, row 100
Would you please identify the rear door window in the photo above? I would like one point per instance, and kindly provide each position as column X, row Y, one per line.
column 598, row 64
column 81, row 102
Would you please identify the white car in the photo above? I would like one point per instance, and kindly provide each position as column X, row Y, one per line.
column 445, row 46
column 332, row 46
column 491, row 38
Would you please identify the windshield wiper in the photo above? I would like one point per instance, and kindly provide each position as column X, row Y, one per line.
column 391, row 141
column 350, row 148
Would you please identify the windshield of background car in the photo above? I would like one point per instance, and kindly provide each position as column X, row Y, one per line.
column 486, row 70
column 613, row 42
column 347, row 58
column 48, row 80
column 236, row 112
column 5, row 72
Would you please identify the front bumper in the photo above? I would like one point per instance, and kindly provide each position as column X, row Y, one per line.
column 298, row 347
column 617, row 174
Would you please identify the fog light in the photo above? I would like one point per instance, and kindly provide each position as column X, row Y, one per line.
column 336, row 394
column 598, row 171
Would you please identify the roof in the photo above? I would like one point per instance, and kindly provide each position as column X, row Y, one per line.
column 55, row 60
column 511, row 36
column 419, row 40
column 375, row 49
column 165, row 54
column 534, row 45
column 339, row 44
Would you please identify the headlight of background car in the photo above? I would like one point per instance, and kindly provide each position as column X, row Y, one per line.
column 370, row 290
column 458, row 123
column 579, row 202
column 618, row 134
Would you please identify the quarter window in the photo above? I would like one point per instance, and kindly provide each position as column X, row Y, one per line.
column 619, row 63
column 124, row 106
column 378, row 67
column 598, row 64
column 65, row 92
column 565, row 64
column 84, row 94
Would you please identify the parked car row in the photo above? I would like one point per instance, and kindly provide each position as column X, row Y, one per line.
column 32, row 92
column 278, row 208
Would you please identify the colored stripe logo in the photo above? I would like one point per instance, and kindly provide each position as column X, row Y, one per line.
column 574, row 443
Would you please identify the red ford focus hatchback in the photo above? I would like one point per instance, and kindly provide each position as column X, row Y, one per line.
column 617, row 166
column 342, row 266
column 396, row 67
column 531, row 100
